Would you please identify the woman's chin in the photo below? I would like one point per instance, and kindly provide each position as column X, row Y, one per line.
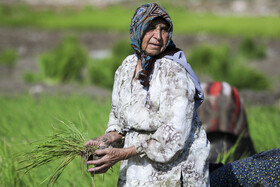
column 153, row 52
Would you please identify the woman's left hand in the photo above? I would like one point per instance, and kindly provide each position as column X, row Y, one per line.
column 110, row 156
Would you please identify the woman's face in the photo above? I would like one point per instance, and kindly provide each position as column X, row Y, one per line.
column 155, row 38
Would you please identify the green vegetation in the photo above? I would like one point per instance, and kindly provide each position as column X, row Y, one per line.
column 69, row 61
column 118, row 18
column 222, row 65
column 102, row 71
column 65, row 62
column 65, row 145
column 216, row 61
column 26, row 119
column 31, row 77
column 250, row 49
column 228, row 156
column 8, row 57
column 264, row 122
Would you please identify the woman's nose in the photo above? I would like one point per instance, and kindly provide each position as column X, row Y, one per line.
column 157, row 34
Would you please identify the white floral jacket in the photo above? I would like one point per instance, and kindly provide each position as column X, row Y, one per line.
column 172, row 146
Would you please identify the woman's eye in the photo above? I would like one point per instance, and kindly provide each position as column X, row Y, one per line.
column 165, row 30
column 151, row 28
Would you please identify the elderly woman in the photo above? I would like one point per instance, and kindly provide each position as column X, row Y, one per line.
column 153, row 117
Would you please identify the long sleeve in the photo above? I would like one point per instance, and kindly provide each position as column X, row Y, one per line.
column 120, row 97
column 114, row 122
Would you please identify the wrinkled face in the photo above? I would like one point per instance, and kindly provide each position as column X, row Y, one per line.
column 155, row 38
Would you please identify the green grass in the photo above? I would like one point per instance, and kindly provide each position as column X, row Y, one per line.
column 228, row 156
column 118, row 18
column 25, row 119
column 225, row 25
column 264, row 126
column 64, row 145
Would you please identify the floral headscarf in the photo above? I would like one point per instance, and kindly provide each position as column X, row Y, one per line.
column 140, row 21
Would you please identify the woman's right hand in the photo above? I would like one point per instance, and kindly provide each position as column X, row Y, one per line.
column 105, row 140
column 100, row 142
column 108, row 157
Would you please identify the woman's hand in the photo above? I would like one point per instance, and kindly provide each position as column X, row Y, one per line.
column 105, row 140
column 101, row 142
column 110, row 156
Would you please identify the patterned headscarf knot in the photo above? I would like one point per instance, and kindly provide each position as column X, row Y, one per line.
column 140, row 21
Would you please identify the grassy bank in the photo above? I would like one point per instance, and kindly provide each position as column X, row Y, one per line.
column 24, row 119
column 118, row 18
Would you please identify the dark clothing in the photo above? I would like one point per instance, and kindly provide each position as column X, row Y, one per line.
column 261, row 169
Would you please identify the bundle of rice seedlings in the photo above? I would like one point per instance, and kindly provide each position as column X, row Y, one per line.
column 64, row 145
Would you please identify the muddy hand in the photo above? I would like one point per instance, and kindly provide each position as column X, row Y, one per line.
column 110, row 156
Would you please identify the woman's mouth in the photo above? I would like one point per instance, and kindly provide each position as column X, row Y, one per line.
column 155, row 45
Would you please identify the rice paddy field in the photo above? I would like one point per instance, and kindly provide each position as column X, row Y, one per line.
column 184, row 21
column 25, row 119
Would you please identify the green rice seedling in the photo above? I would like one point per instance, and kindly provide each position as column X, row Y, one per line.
column 65, row 62
column 36, row 116
column 220, row 64
column 8, row 174
column 63, row 145
column 251, row 49
column 228, row 157
column 264, row 125
column 8, row 57
column 118, row 17
column 105, row 76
